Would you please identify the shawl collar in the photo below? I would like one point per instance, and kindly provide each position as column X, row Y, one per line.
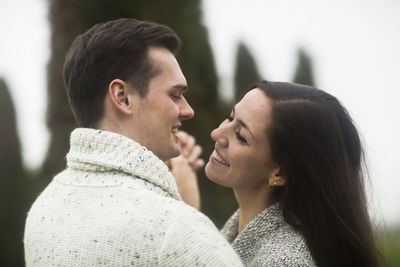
column 99, row 151
column 248, row 241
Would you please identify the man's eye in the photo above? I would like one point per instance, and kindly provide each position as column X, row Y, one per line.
column 230, row 117
column 176, row 96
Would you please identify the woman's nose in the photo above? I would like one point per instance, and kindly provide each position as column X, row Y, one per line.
column 218, row 135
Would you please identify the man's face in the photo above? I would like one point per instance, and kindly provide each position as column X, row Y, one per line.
column 158, row 116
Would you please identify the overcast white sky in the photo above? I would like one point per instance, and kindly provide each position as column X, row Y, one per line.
column 355, row 46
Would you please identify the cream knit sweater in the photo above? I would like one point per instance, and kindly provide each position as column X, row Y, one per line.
column 268, row 240
column 116, row 204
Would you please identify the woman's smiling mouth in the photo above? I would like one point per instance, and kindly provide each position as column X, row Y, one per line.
column 215, row 156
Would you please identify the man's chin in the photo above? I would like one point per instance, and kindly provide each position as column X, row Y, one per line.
column 172, row 152
column 175, row 151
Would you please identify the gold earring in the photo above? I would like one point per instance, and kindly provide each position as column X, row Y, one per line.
column 272, row 184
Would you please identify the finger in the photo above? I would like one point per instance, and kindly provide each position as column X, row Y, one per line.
column 195, row 154
column 182, row 140
column 186, row 142
column 178, row 161
column 187, row 149
column 183, row 137
column 197, row 165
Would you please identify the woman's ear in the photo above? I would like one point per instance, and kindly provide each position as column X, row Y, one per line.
column 276, row 178
column 120, row 98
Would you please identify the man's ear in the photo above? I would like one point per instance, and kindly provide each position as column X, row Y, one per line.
column 276, row 178
column 118, row 93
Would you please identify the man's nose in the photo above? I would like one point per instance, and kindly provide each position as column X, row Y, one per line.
column 186, row 111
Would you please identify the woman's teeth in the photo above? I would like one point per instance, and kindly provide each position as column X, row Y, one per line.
column 219, row 159
column 174, row 130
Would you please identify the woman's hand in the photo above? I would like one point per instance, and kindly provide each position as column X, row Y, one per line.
column 184, row 168
column 190, row 150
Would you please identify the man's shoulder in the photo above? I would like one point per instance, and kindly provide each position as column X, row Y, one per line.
column 192, row 239
column 129, row 216
column 128, row 194
column 126, row 198
column 174, row 210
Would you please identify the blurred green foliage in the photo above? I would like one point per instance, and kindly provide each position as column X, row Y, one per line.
column 246, row 71
column 388, row 243
column 14, row 197
column 304, row 73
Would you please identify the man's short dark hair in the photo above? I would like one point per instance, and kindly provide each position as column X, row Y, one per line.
column 116, row 49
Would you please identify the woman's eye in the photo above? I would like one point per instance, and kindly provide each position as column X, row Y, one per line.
column 241, row 139
column 230, row 117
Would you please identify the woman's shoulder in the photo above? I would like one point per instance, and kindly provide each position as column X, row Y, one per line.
column 269, row 241
column 286, row 248
column 282, row 259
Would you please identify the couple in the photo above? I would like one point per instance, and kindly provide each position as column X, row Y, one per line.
column 291, row 154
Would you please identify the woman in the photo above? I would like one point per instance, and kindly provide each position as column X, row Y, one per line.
column 293, row 158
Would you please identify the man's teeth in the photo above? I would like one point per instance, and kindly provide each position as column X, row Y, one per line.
column 174, row 130
column 219, row 159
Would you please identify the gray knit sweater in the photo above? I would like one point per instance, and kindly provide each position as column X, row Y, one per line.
column 268, row 240
column 117, row 204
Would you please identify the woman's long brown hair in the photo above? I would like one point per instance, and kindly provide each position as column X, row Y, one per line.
column 317, row 146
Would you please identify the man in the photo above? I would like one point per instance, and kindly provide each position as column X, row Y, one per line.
column 116, row 203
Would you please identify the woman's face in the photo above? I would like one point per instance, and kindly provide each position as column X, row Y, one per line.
column 242, row 157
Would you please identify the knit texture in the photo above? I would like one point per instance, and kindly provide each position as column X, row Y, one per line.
column 117, row 204
column 268, row 240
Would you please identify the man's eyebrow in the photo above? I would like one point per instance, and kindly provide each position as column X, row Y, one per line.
column 243, row 124
column 182, row 87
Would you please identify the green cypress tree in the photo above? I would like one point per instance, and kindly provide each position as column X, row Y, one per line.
column 304, row 73
column 246, row 71
column 12, row 184
column 197, row 64
column 68, row 18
